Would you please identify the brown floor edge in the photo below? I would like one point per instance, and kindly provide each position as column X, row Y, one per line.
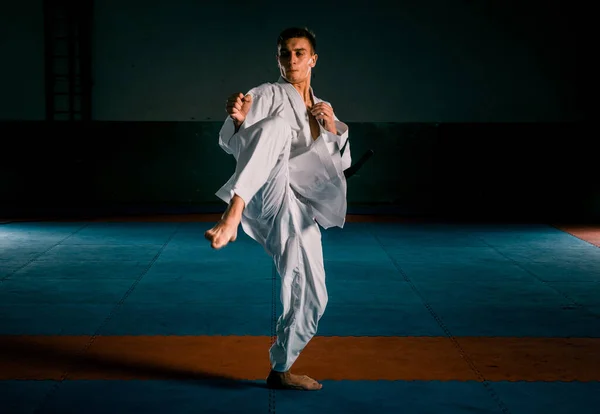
column 326, row 358
column 189, row 218
column 588, row 233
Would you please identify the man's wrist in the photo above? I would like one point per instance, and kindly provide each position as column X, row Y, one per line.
column 237, row 125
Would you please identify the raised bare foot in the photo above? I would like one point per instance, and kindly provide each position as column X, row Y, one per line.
column 289, row 381
column 222, row 233
column 225, row 230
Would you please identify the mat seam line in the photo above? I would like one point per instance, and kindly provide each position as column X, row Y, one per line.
column 54, row 387
column 272, row 396
column 545, row 283
column 501, row 404
column 93, row 337
column 34, row 258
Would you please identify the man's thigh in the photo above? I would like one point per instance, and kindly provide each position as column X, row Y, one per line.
column 276, row 216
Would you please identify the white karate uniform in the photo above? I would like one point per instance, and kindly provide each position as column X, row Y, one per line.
column 289, row 183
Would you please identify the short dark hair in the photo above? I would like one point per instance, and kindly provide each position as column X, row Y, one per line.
column 295, row 32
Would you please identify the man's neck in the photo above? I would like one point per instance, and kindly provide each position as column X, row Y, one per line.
column 304, row 89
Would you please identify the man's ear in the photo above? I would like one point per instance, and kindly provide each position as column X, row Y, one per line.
column 313, row 60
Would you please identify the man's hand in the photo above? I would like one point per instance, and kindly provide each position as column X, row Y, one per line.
column 324, row 113
column 237, row 107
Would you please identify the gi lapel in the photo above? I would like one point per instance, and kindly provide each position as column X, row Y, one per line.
column 298, row 105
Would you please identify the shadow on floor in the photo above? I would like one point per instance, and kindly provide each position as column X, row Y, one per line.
column 29, row 359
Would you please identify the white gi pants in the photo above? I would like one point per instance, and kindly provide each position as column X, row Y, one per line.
column 286, row 228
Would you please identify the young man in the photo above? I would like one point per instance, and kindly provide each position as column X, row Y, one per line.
column 289, row 177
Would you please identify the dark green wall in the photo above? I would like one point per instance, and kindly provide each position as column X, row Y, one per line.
column 490, row 171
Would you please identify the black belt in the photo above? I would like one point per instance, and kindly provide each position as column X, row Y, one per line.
column 350, row 171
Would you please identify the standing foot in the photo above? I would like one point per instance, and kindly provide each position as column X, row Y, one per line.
column 289, row 381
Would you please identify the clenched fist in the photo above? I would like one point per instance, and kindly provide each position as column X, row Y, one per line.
column 237, row 107
column 324, row 113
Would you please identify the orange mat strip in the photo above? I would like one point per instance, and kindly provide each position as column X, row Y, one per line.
column 590, row 234
column 325, row 358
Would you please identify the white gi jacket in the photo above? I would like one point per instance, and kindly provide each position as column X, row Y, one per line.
column 316, row 167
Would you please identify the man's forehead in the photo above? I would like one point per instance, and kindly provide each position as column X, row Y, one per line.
column 296, row 43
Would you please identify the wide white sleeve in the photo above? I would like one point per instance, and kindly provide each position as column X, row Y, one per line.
column 227, row 131
column 341, row 139
column 347, row 155
column 262, row 102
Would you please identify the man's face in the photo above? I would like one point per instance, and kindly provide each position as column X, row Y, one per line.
column 296, row 59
